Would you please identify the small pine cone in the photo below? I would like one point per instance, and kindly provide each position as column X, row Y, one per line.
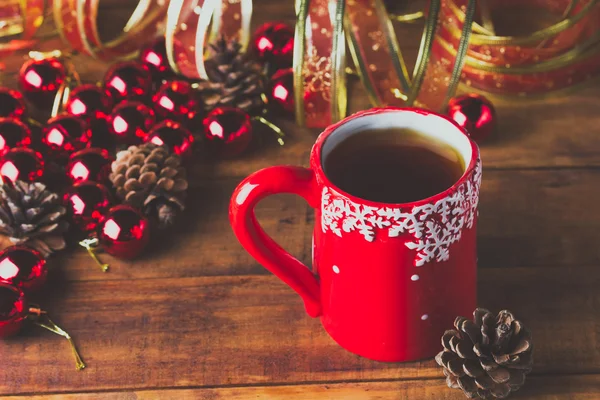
column 32, row 215
column 234, row 80
column 150, row 178
column 486, row 358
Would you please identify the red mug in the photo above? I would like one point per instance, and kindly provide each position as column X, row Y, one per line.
column 387, row 279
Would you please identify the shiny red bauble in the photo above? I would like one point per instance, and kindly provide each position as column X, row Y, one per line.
column 86, row 100
column 177, row 100
column 23, row 267
column 273, row 43
column 13, row 133
column 281, row 90
column 91, row 164
column 172, row 135
column 65, row 134
column 474, row 113
column 12, row 104
column 87, row 203
column 131, row 121
column 22, row 164
column 128, row 81
column 124, row 232
column 13, row 309
column 154, row 56
column 39, row 80
column 227, row 131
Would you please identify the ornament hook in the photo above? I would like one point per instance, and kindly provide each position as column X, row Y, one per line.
column 90, row 245
column 41, row 319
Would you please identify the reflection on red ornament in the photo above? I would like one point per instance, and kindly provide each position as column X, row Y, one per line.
column 39, row 80
column 13, row 133
column 87, row 203
column 23, row 267
column 474, row 113
column 274, row 44
column 172, row 135
column 177, row 100
column 124, row 232
column 86, row 100
column 22, row 164
column 227, row 131
column 89, row 164
column 281, row 90
column 131, row 121
column 128, row 81
column 155, row 57
column 65, row 134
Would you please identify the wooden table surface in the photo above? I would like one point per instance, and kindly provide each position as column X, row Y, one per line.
column 197, row 317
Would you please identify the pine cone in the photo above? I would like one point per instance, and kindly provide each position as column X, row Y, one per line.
column 234, row 80
column 488, row 357
column 150, row 178
column 32, row 215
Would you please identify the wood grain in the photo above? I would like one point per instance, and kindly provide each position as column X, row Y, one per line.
column 536, row 388
column 214, row 331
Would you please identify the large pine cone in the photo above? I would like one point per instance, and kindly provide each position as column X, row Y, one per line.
column 150, row 178
column 488, row 357
column 32, row 215
column 234, row 80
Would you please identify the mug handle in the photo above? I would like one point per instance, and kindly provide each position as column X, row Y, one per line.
column 263, row 248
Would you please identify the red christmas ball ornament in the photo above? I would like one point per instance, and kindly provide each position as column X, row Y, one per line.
column 474, row 113
column 227, row 131
column 39, row 80
column 13, row 309
column 87, row 203
column 13, row 133
column 87, row 100
column 65, row 134
column 91, row 164
column 177, row 100
column 273, row 43
column 131, row 121
column 23, row 267
column 172, row 135
column 124, row 232
column 12, row 104
column 154, row 56
column 22, row 164
column 128, row 81
column 281, row 90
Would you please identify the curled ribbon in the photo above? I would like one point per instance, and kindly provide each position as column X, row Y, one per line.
column 77, row 24
column 380, row 63
column 187, row 33
column 21, row 21
column 319, row 63
column 556, row 58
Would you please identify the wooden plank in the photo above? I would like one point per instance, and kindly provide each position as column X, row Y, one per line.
column 536, row 388
column 214, row 331
column 527, row 218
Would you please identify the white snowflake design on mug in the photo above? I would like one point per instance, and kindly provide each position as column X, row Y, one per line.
column 434, row 227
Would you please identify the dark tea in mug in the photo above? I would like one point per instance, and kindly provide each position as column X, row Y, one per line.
column 395, row 165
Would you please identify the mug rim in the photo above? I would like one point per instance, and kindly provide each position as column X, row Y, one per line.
column 317, row 151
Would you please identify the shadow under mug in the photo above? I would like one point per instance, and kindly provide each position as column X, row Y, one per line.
column 387, row 279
